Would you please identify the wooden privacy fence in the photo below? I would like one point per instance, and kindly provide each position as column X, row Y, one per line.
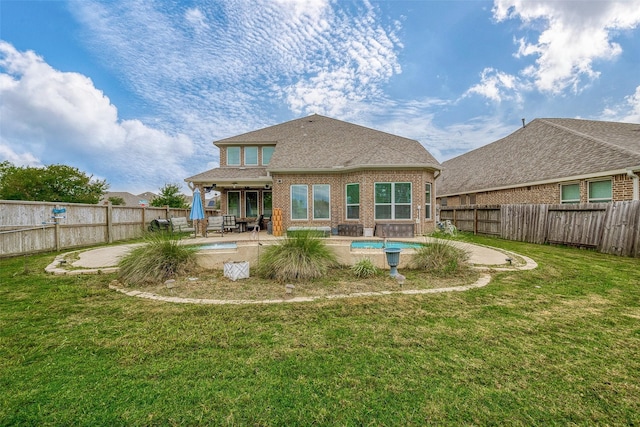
column 30, row 227
column 612, row 228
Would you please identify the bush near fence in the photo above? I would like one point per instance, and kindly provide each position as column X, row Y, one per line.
column 30, row 227
column 612, row 228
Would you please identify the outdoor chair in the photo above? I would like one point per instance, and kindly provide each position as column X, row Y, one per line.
column 215, row 224
column 229, row 222
column 255, row 225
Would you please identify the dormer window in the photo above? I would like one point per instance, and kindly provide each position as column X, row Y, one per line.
column 233, row 156
column 267, row 152
column 251, row 156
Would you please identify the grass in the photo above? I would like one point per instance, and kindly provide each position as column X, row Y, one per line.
column 555, row 345
column 301, row 256
column 161, row 258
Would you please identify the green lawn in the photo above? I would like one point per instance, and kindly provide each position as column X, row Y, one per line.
column 555, row 345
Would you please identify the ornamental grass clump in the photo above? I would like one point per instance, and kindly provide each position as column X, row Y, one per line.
column 299, row 257
column 365, row 268
column 161, row 258
column 440, row 258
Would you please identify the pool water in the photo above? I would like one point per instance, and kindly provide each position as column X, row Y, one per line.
column 218, row 245
column 379, row 244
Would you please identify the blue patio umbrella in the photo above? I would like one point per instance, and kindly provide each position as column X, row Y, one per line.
column 197, row 211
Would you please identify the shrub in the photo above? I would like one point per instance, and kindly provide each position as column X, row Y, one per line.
column 441, row 258
column 299, row 257
column 365, row 268
column 161, row 258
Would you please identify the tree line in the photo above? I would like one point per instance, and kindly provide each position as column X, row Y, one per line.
column 67, row 184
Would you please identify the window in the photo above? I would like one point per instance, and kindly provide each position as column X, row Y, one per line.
column 570, row 193
column 321, row 201
column 250, row 156
column 267, row 152
column 251, row 204
column 443, row 201
column 267, row 198
column 233, row 156
column 393, row 200
column 299, row 207
column 353, row 201
column 233, row 203
column 427, row 200
column 600, row 191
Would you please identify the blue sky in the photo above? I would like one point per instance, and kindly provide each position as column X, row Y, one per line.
column 135, row 92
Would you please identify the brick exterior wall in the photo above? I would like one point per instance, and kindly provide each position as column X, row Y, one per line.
column 622, row 189
column 337, row 182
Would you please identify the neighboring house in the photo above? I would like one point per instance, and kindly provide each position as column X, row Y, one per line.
column 143, row 199
column 548, row 161
column 323, row 172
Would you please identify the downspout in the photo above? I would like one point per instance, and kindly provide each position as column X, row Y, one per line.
column 636, row 183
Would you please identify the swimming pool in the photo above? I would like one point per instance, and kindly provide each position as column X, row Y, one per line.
column 218, row 245
column 379, row 244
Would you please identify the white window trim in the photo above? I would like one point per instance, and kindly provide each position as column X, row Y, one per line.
column 608, row 200
column 239, row 203
column 347, row 204
column 313, row 196
column 569, row 202
column 245, row 156
column 239, row 156
column 262, row 155
column 291, row 202
column 427, row 203
column 393, row 203
column 245, row 202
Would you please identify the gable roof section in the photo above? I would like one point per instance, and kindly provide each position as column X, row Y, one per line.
column 319, row 143
column 544, row 150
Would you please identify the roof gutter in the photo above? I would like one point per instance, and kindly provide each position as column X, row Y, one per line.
column 631, row 173
column 356, row 168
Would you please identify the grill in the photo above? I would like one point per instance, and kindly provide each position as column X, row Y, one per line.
column 159, row 225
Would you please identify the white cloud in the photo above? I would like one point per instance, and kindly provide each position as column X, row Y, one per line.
column 626, row 111
column 497, row 86
column 60, row 117
column 574, row 36
column 315, row 56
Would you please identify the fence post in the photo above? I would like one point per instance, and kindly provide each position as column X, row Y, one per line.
column 109, row 222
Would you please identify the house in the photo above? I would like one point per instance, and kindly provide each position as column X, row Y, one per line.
column 548, row 161
column 129, row 199
column 325, row 173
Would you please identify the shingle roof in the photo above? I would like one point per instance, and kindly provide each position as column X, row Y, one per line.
column 129, row 199
column 546, row 149
column 319, row 142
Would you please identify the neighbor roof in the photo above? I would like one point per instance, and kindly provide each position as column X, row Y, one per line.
column 543, row 150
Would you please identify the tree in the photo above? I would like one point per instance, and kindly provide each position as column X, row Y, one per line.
column 53, row 183
column 170, row 196
column 117, row 201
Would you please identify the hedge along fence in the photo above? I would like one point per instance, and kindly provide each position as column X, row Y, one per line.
column 30, row 227
column 612, row 228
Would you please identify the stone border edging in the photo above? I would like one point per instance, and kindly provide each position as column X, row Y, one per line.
column 481, row 282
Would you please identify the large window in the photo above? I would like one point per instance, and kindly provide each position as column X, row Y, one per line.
column 267, row 198
column 267, row 152
column 570, row 193
column 393, row 200
column 299, row 203
column 251, row 204
column 600, row 191
column 353, row 201
column 233, row 203
column 233, row 156
column 250, row 156
column 321, row 199
column 427, row 200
